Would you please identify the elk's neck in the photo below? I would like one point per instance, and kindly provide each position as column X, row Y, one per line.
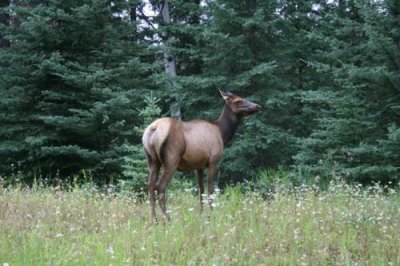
column 227, row 123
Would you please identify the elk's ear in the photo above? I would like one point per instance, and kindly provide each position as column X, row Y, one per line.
column 225, row 95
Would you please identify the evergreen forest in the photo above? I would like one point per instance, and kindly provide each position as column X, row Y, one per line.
column 80, row 80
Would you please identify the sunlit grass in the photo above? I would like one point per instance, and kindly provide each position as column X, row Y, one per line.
column 343, row 225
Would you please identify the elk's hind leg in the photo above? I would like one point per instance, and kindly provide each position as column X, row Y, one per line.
column 170, row 154
column 160, row 186
column 154, row 168
column 170, row 164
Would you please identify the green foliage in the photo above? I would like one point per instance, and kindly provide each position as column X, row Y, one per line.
column 70, row 88
column 326, row 73
column 269, row 182
column 355, row 115
column 135, row 163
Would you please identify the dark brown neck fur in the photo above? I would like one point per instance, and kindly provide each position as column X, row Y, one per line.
column 227, row 123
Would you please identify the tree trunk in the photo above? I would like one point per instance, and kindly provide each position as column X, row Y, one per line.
column 133, row 18
column 4, row 19
column 169, row 59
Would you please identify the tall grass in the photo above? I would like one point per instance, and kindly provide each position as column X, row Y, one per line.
column 302, row 226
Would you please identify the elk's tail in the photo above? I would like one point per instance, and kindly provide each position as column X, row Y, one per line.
column 155, row 140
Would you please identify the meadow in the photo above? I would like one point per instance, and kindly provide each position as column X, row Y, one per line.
column 344, row 225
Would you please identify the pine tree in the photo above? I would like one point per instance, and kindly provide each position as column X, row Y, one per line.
column 249, row 48
column 74, row 81
column 355, row 111
column 73, row 75
column 135, row 163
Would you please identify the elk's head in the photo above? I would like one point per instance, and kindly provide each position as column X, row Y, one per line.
column 239, row 105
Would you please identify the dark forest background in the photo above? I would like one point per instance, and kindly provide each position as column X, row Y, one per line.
column 80, row 79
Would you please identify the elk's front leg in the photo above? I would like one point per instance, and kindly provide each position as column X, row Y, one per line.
column 211, row 170
column 199, row 177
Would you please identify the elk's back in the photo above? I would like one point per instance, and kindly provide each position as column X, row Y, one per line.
column 192, row 145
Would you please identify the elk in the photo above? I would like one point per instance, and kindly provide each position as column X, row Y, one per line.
column 190, row 145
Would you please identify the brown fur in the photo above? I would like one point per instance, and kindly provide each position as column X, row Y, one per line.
column 192, row 145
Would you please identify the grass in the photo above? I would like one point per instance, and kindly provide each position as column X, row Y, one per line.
column 344, row 225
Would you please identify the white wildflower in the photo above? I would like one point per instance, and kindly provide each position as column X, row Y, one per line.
column 110, row 250
column 58, row 210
